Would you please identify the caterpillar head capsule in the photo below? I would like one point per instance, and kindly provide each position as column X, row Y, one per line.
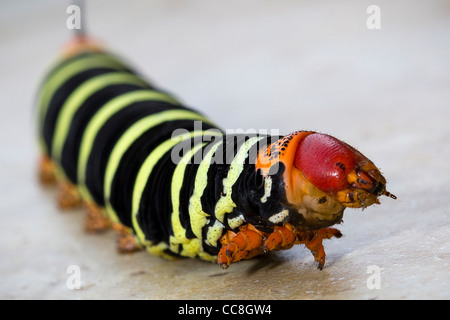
column 320, row 177
column 340, row 170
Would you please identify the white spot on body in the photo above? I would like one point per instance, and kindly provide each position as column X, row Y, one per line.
column 267, row 189
column 279, row 217
column 236, row 221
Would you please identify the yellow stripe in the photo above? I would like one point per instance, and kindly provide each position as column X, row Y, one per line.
column 158, row 249
column 66, row 72
column 100, row 118
column 214, row 233
column 225, row 203
column 191, row 246
column 77, row 98
column 197, row 216
column 129, row 136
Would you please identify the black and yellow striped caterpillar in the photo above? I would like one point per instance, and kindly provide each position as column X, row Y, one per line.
column 134, row 156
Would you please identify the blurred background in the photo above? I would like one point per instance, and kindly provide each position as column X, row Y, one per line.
column 260, row 64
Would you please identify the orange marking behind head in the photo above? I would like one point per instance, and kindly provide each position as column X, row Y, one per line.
column 284, row 151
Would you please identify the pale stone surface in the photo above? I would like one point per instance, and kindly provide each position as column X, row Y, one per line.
column 284, row 65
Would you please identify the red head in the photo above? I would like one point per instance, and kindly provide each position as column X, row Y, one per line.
column 326, row 161
column 338, row 169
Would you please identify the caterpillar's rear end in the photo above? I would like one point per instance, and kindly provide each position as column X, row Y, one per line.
column 168, row 180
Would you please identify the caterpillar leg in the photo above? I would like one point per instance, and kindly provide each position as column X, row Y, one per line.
column 95, row 219
column 249, row 242
column 126, row 243
column 244, row 244
column 68, row 195
column 315, row 244
column 46, row 171
column 280, row 239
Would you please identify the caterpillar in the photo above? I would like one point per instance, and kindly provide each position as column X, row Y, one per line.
column 133, row 155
